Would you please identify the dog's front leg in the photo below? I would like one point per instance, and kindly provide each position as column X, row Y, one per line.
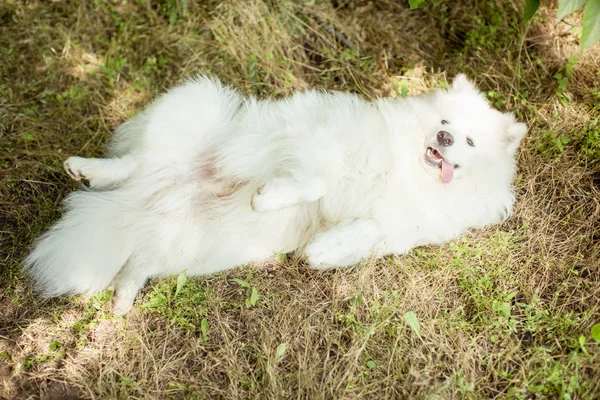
column 282, row 192
column 101, row 172
column 345, row 244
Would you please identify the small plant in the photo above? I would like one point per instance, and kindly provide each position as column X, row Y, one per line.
column 496, row 99
column 253, row 298
column 113, row 68
column 183, row 302
column 551, row 144
column 401, row 88
column 585, row 142
column 562, row 78
column 588, row 149
column 414, row 4
column 174, row 9
column 413, row 322
column 590, row 32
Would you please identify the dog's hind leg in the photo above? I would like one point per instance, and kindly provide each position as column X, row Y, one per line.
column 126, row 285
column 345, row 244
column 101, row 172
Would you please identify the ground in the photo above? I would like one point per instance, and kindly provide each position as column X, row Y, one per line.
column 505, row 312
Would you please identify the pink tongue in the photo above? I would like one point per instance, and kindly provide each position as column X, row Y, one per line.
column 447, row 172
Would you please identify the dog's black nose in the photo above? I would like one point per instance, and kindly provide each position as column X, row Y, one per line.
column 445, row 139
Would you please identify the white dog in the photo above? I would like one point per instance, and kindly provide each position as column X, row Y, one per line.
column 205, row 180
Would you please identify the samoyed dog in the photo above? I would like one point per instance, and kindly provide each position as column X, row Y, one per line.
column 206, row 179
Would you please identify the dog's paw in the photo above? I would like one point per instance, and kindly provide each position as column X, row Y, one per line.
column 274, row 195
column 328, row 251
column 343, row 245
column 78, row 169
column 121, row 303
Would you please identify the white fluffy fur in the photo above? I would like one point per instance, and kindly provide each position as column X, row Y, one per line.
column 205, row 180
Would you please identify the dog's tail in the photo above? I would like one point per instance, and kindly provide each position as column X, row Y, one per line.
column 85, row 249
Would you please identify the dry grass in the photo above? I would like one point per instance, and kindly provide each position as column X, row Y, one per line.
column 501, row 312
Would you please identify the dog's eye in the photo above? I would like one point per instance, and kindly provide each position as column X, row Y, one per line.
column 445, row 121
column 470, row 142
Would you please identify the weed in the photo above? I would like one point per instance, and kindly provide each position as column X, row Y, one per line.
column 562, row 79
column 183, row 304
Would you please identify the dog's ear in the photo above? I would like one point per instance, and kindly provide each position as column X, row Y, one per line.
column 514, row 133
column 462, row 83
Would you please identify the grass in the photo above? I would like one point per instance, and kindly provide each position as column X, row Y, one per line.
column 505, row 312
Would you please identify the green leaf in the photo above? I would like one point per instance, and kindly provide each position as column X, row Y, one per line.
column 280, row 351
column 511, row 296
column 569, row 67
column 595, row 333
column 204, row 327
column 411, row 320
column 28, row 137
column 590, row 32
column 414, row 4
column 173, row 16
column 371, row 364
column 5, row 355
column 566, row 7
column 156, row 301
column 501, row 307
column 253, row 296
column 404, row 89
column 531, row 7
column 241, row 282
column 181, row 280
column 582, row 340
column 54, row 345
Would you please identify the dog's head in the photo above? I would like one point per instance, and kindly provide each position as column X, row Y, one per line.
column 466, row 135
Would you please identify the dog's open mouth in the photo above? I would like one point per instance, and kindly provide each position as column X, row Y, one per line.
column 435, row 158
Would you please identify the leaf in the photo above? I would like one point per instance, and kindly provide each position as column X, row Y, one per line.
column 280, row 351
column 5, row 355
column 204, row 327
column 565, row 139
column 54, row 345
column 566, row 7
column 242, row 283
column 411, row 320
column 414, row 4
column 28, row 137
column 181, row 280
column 511, row 296
column 156, row 301
column 531, row 7
column 173, row 16
column 253, row 296
column 501, row 307
column 371, row 364
column 590, row 31
column 595, row 333
column 582, row 340
column 404, row 89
